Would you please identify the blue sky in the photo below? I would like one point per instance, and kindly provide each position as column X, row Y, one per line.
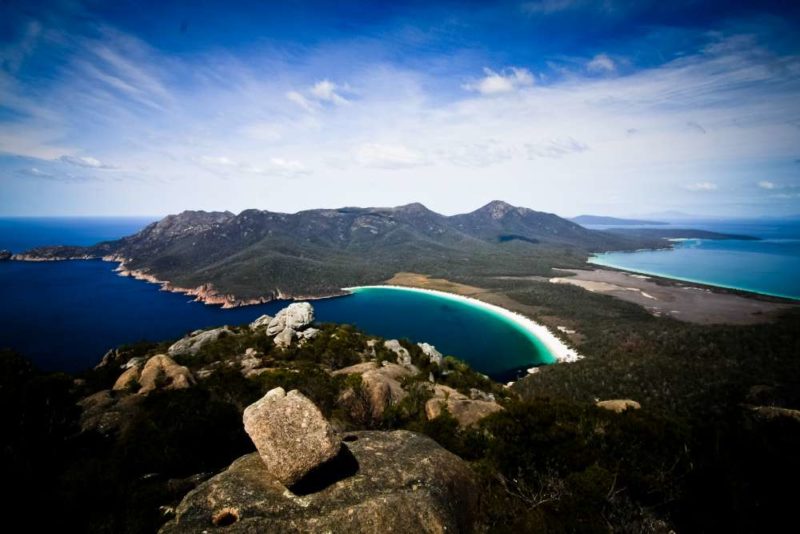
column 569, row 106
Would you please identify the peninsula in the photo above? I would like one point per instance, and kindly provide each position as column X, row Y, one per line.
column 257, row 256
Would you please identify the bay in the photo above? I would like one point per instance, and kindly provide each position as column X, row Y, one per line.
column 65, row 315
column 769, row 266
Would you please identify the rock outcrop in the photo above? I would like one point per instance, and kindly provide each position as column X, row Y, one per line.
column 291, row 434
column 106, row 412
column 403, row 356
column 157, row 372
column 161, row 371
column 262, row 322
column 191, row 344
column 284, row 338
column 295, row 316
column 465, row 410
column 381, row 385
column 618, row 405
column 292, row 322
column 434, row 356
column 382, row 482
column 128, row 379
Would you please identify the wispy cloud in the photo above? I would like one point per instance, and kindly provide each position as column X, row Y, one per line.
column 601, row 63
column 316, row 96
column 182, row 122
column 86, row 162
column 555, row 148
column 702, row 186
column 269, row 167
column 39, row 174
column 765, row 184
column 388, row 156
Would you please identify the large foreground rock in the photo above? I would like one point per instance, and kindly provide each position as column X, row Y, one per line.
column 290, row 433
column 384, row 482
column 296, row 316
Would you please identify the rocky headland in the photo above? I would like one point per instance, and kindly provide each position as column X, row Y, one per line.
column 286, row 424
column 311, row 471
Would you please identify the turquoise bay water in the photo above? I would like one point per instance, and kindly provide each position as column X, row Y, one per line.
column 65, row 315
column 769, row 266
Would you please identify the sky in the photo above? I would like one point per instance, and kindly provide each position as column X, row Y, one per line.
column 567, row 106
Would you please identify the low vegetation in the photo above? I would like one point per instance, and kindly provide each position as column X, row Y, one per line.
column 695, row 457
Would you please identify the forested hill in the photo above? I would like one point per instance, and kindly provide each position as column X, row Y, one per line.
column 259, row 254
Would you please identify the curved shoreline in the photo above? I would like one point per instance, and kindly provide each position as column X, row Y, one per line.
column 753, row 292
column 540, row 333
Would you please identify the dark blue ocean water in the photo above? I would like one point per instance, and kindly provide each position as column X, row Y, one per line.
column 65, row 315
column 770, row 266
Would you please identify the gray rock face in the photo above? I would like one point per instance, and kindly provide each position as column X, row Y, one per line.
column 192, row 344
column 261, row 322
column 296, row 316
column 308, row 333
column 394, row 482
column 291, row 434
column 284, row 339
column 430, row 351
column 403, row 357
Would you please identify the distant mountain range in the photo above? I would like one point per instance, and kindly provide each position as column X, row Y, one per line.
column 260, row 255
column 612, row 221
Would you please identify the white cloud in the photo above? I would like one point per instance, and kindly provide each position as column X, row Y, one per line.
column 550, row 147
column 507, row 81
column 702, row 186
column 326, row 92
column 85, row 161
column 601, row 63
column 320, row 93
column 764, row 184
column 387, row 156
column 34, row 171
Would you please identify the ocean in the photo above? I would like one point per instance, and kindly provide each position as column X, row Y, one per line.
column 65, row 315
column 770, row 266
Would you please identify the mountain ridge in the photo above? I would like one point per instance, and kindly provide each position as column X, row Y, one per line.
column 260, row 255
